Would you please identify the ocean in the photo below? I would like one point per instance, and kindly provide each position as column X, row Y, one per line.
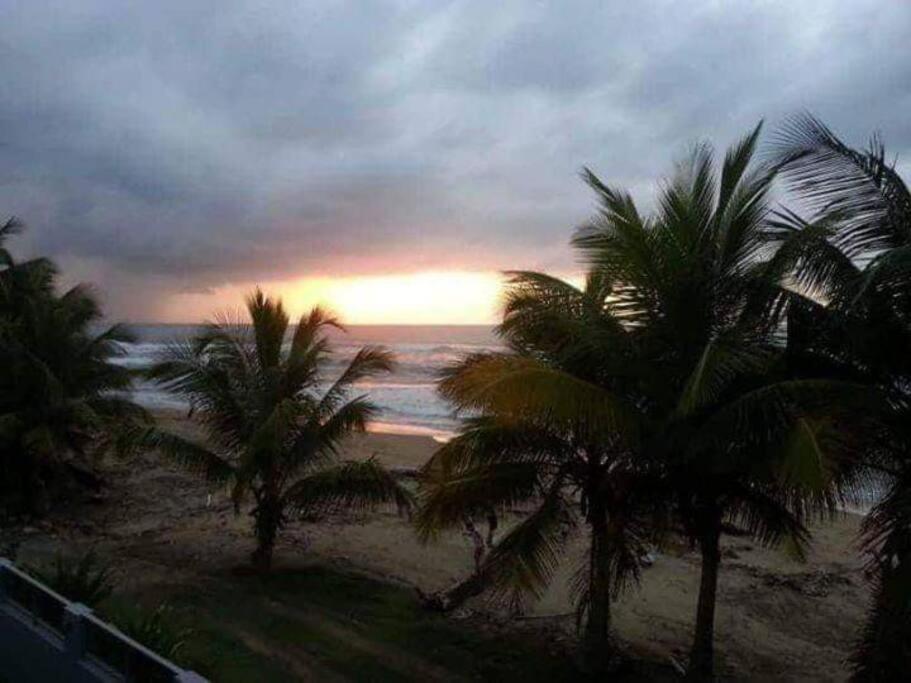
column 407, row 397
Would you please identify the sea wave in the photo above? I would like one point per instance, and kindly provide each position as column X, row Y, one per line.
column 407, row 397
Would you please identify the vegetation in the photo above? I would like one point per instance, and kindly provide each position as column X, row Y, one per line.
column 851, row 261
column 317, row 623
column 63, row 400
column 274, row 434
column 530, row 446
column 157, row 629
column 670, row 379
column 84, row 579
column 89, row 580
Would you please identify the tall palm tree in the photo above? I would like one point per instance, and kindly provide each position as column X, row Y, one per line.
column 849, row 266
column 62, row 396
column 738, row 430
column 273, row 431
column 555, row 432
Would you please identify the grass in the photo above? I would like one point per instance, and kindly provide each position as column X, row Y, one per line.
column 317, row 623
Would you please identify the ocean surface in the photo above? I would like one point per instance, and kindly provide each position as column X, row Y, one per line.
column 407, row 396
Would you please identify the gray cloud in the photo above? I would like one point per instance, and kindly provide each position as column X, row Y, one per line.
column 175, row 146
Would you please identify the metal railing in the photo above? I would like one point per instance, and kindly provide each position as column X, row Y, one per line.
column 44, row 636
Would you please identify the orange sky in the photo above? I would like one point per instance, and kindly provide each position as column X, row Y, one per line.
column 428, row 298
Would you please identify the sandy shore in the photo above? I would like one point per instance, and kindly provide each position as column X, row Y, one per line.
column 778, row 619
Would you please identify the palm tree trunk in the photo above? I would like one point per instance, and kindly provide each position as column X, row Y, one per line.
column 267, row 520
column 597, row 628
column 455, row 597
column 702, row 654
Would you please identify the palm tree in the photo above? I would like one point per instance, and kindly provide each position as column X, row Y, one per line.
column 850, row 269
column 63, row 398
column 272, row 432
column 670, row 379
column 555, row 432
column 742, row 434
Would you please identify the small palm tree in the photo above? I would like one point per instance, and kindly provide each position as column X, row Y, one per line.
column 849, row 266
column 272, row 432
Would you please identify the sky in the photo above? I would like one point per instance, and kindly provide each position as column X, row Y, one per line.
column 390, row 158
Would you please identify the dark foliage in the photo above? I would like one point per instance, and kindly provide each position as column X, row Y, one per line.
column 63, row 399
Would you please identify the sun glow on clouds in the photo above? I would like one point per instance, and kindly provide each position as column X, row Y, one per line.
column 430, row 298
column 449, row 298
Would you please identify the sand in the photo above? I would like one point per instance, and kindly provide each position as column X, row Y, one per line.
column 777, row 619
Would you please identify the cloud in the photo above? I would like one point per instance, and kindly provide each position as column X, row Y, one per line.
column 171, row 146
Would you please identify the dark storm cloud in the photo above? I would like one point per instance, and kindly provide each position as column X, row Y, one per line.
column 204, row 143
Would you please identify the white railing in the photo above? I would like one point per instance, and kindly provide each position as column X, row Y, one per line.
column 44, row 636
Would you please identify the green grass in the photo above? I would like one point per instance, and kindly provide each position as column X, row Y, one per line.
column 317, row 623
column 209, row 649
column 321, row 623
column 391, row 617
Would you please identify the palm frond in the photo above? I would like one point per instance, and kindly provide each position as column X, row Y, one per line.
column 308, row 328
column 349, row 418
column 522, row 564
column 736, row 161
column 761, row 418
column 369, row 361
column 806, row 254
column 485, row 441
column 768, row 519
column 216, row 386
column 448, row 497
column 190, row 455
column 686, row 204
column 308, row 351
column 524, row 389
column 270, row 323
column 348, row 486
column 834, row 179
column 12, row 226
column 577, row 329
column 725, row 358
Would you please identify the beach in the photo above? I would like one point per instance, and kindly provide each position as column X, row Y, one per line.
column 777, row 619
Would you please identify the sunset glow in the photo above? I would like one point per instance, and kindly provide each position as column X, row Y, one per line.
column 429, row 298
column 453, row 298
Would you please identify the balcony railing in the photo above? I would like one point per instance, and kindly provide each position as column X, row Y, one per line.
column 45, row 637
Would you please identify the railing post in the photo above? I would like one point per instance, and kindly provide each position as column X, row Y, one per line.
column 74, row 638
column 5, row 566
